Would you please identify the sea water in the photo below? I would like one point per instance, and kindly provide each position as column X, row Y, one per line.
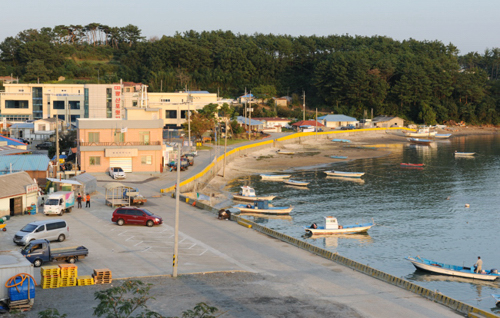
column 417, row 211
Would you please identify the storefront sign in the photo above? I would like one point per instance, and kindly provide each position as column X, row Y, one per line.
column 118, row 104
column 31, row 188
column 120, row 152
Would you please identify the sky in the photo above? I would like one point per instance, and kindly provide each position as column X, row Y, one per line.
column 469, row 25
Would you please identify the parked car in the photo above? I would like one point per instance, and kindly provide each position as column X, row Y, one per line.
column 52, row 230
column 44, row 145
column 131, row 215
column 116, row 173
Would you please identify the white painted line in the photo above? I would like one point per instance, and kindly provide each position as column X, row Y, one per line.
column 122, row 233
column 129, row 238
column 203, row 252
column 138, row 243
column 191, row 246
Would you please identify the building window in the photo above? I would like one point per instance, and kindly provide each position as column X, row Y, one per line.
column 144, row 135
column 119, row 137
column 74, row 104
column 109, row 103
column 61, row 117
column 21, row 91
column 134, row 103
column 165, row 100
column 170, row 114
column 95, row 161
column 183, row 113
column 128, row 90
column 16, row 104
column 58, row 104
column 146, row 160
column 41, row 127
column 63, row 90
column 93, row 137
column 74, row 118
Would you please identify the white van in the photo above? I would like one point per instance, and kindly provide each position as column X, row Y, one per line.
column 52, row 230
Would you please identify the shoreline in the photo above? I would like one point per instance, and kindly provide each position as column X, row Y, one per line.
column 313, row 154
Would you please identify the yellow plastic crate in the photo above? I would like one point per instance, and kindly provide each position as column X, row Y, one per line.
column 50, row 282
column 49, row 270
column 68, row 270
column 85, row 280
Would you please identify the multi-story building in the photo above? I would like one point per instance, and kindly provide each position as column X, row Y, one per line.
column 68, row 102
column 133, row 145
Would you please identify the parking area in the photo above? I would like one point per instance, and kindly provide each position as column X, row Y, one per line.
column 129, row 250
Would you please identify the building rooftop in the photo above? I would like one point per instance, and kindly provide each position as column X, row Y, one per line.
column 24, row 163
column 246, row 121
column 337, row 118
column 8, row 150
column 13, row 184
column 111, row 123
column 22, row 126
column 12, row 141
column 273, row 119
column 308, row 122
column 383, row 118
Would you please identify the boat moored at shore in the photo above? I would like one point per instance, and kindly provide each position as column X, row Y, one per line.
column 331, row 226
column 248, row 194
column 344, row 174
column 275, row 176
column 452, row 270
column 464, row 154
column 263, row 207
column 442, row 136
column 418, row 141
column 296, row 183
column 421, row 132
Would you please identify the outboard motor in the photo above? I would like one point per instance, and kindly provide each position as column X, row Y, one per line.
column 494, row 271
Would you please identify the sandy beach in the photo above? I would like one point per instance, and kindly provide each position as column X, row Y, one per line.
column 317, row 152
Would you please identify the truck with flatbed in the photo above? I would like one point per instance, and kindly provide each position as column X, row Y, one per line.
column 39, row 252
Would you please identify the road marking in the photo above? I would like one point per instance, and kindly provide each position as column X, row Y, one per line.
column 138, row 243
column 129, row 238
column 122, row 233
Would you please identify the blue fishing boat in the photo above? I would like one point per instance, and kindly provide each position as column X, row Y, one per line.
column 497, row 299
column 338, row 157
column 452, row 270
column 263, row 207
column 341, row 140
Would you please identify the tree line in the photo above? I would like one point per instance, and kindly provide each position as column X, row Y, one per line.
column 421, row 81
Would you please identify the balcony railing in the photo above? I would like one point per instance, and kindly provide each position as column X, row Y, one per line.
column 126, row 143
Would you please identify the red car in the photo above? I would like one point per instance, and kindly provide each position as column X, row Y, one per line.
column 131, row 215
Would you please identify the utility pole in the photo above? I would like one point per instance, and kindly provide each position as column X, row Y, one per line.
column 246, row 106
column 304, row 103
column 316, row 123
column 189, row 120
column 57, row 145
column 250, row 118
column 225, row 151
column 161, row 85
column 176, row 228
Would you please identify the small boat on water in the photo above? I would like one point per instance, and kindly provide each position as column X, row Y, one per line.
column 342, row 179
column 263, row 207
column 413, row 165
column 452, row 270
column 296, row 183
column 275, row 176
column 442, row 136
column 418, row 141
column 284, row 152
column 497, row 299
column 421, row 132
column 248, row 194
column 341, row 140
column 464, row 154
column 338, row 157
column 344, row 174
column 331, row 226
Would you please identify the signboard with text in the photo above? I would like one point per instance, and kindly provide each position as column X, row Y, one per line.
column 31, row 188
column 117, row 101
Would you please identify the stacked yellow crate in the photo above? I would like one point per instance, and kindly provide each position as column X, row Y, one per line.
column 85, row 280
column 51, row 276
column 68, row 275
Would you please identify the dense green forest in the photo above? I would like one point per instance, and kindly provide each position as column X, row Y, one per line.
column 421, row 81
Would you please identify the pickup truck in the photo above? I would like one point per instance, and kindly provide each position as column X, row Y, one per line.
column 135, row 197
column 116, row 173
column 39, row 252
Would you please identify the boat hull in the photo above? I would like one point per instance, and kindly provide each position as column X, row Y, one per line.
column 296, row 183
column 420, row 141
column 464, row 154
column 450, row 272
column 274, row 177
column 360, row 229
column 281, row 211
column 252, row 199
column 345, row 174
column 420, row 134
column 442, row 136
column 418, row 165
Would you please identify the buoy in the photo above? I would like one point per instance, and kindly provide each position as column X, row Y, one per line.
column 467, row 205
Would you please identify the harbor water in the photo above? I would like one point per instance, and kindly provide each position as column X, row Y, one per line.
column 418, row 211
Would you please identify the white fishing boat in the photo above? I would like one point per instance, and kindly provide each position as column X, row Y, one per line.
column 263, row 207
column 464, row 154
column 275, row 176
column 452, row 270
column 284, row 152
column 421, row 132
column 442, row 136
column 248, row 194
column 331, row 226
column 419, row 141
column 497, row 299
column 296, row 183
column 345, row 174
